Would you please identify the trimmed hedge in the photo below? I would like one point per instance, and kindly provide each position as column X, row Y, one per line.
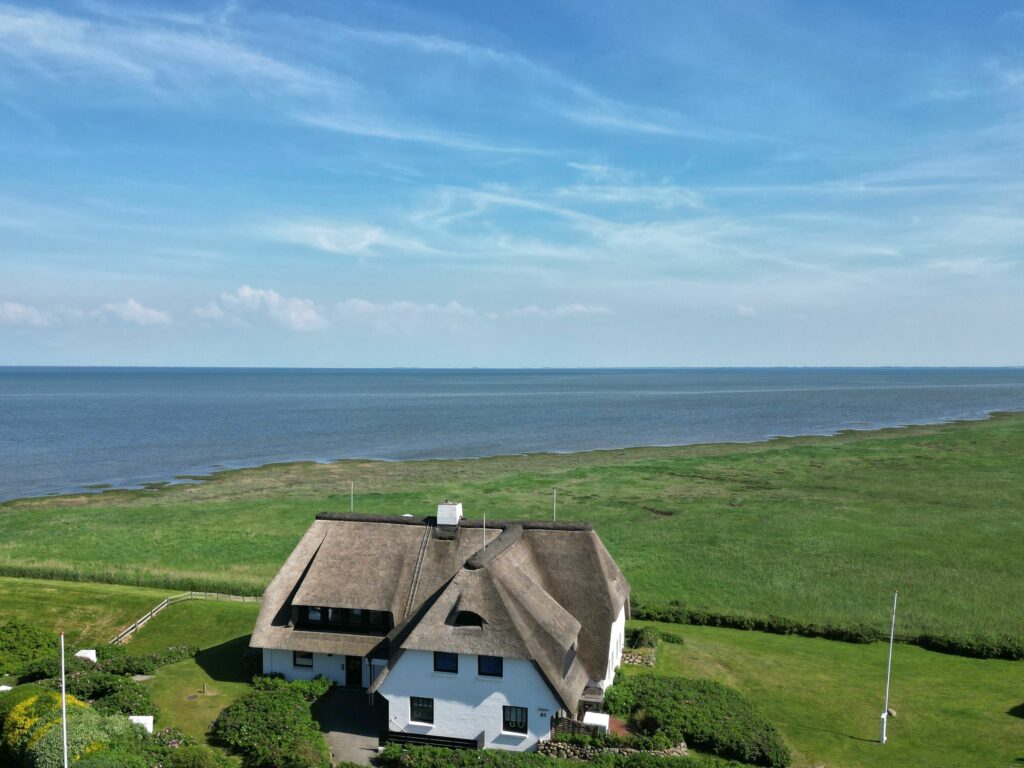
column 709, row 716
column 114, row 659
column 109, row 693
column 22, row 644
column 976, row 646
column 397, row 756
column 310, row 690
column 272, row 727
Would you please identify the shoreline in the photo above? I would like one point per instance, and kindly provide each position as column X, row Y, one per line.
column 215, row 472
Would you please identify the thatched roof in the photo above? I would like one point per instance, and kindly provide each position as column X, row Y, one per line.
column 540, row 589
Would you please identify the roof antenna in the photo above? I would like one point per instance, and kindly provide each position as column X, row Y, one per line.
column 485, row 530
column 554, row 505
column 351, row 495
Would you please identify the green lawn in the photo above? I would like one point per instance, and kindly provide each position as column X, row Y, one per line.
column 192, row 693
column 87, row 613
column 815, row 529
column 826, row 697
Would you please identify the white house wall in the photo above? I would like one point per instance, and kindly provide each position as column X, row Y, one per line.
column 330, row 666
column 468, row 705
column 615, row 646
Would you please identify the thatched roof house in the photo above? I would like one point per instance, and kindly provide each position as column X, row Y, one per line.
column 372, row 590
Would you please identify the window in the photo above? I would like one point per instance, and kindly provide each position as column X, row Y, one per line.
column 446, row 662
column 513, row 719
column 492, row 666
column 313, row 614
column 355, row 617
column 421, row 710
column 570, row 657
column 468, row 619
column 302, row 659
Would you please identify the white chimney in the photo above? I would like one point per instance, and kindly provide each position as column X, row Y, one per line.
column 449, row 513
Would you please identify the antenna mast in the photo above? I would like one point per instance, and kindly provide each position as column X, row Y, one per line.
column 888, row 674
column 554, row 505
column 351, row 495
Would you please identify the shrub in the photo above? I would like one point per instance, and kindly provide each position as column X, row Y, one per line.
column 22, row 644
column 395, row 756
column 707, row 715
column 109, row 693
column 672, row 638
column 641, row 637
column 114, row 659
column 272, row 728
column 310, row 690
column 977, row 646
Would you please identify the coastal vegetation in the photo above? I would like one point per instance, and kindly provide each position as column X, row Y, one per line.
column 816, row 530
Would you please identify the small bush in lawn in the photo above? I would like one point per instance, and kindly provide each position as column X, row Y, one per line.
column 709, row 716
column 671, row 638
column 272, row 727
column 641, row 637
column 110, row 694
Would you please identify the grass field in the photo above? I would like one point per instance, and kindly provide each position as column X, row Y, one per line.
column 826, row 697
column 813, row 529
column 86, row 613
column 192, row 693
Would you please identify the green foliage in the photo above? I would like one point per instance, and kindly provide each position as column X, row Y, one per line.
column 310, row 690
column 977, row 646
column 649, row 741
column 109, row 693
column 709, row 716
column 22, row 644
column 113, row 659
column 397, row 756
column 272, row 727
column 641, row 637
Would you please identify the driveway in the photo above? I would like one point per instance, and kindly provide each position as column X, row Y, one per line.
column 350, row 724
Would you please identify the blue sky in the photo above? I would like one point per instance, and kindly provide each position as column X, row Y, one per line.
column 512, row 184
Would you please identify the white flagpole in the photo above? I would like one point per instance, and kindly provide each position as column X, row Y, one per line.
column 554, row 505
column 888, row 674
column 351, row 495
column 63, row 703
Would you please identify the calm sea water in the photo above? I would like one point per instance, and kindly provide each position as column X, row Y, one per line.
column 65, row 429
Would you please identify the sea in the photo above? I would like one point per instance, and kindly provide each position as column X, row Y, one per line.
column 69, row 430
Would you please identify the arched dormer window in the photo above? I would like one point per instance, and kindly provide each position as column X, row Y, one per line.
column 468, row 619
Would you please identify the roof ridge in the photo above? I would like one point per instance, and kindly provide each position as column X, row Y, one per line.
column 487, row 554
column 430, row 520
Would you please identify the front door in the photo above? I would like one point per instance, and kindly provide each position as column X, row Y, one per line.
column 353, row 671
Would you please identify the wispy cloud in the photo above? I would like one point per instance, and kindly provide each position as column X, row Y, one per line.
column 134, row 313
column 13, row 313
column 565, row 310
column 347, row 239
column 382, row 129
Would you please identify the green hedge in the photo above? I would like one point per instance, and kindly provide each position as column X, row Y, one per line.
column 709, row 716
column 396, row 756
column 272, row 727
column 22, row 644
column 109, row 693
column 310, row 690
column 976, row 646
column 641, row 637
column 114, row 659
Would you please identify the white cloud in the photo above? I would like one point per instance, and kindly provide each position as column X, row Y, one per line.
column 565, row 310
column 970, row 267
column 347, row 239
column 134, row 313
column 294, row 313
column 12, row 313
column 405, row 317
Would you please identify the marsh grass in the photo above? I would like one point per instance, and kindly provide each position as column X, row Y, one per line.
column 818, row 530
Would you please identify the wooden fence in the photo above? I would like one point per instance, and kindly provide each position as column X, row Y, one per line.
column 563, row 726
column 135, row 626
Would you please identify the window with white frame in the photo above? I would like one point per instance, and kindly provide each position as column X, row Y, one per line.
column 513, row 719
column 421, row 710
column 302, row 659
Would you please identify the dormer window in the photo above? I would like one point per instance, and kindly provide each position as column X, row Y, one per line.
column 313, row 615
column 468, row 619
column 570, row 657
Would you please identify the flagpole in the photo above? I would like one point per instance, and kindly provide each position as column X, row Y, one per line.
column 888, row 674
column 63, row 703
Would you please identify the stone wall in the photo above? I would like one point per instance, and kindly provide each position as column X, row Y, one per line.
column 639, row 657
column 566, row 751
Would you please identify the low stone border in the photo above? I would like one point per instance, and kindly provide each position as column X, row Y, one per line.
column 566, row 751
column 639, row 658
